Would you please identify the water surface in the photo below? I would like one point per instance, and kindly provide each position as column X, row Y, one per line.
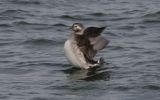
column 32, row 61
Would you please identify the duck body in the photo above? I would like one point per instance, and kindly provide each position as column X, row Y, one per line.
column 82, row 46
column 74, row 54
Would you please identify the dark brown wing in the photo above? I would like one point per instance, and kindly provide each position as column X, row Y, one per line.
column 93, row 31
column 93, row 35
column 90, row 42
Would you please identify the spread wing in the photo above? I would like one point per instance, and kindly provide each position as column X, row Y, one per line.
column 93, row 34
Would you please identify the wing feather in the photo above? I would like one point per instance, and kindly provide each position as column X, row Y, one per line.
column 93, row 35
column 98, row 42
column 93, row 31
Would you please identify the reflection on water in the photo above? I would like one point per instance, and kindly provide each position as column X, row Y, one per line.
column 88, row 75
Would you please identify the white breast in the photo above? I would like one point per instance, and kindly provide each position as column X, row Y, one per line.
column 74, row 55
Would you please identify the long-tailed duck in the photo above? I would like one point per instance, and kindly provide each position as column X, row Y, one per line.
column 81, row 48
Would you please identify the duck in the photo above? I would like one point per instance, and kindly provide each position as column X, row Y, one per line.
column 83, row 44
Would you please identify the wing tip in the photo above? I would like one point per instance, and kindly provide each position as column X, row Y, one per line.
column 104, row 27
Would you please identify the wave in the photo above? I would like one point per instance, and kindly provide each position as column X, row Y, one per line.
column 59, row 25
column 5, row 25
column 77, row 17
column 132, row 11
column 151, row 21
column 27, row 23
column 26, row 2
column 11, row 12
column 120, row 18
column 7, row 41
column 38, row 26
column 15, row 71
column 81, row 18
column 155, row 14
column 154, row 41
column 98, row 14
column 116, row 48
column 111, row 34
column 34, row 63
column 152, row 87
column 5, row 44
column 122, row 88
column 32, row 25
column 151, row 18
column 41, row 42
column 127, row 27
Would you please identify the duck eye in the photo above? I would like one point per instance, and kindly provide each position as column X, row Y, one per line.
column 75, row 26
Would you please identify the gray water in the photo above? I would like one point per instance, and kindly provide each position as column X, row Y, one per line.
column 32, row 61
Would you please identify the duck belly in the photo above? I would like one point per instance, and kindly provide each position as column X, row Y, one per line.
column 71, row 53
column 75, row 56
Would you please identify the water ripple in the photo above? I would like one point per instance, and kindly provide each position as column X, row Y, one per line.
column 152, row 87
column 41, row 41
column 15, row 71
column 26, row 2
column 80, row 18
column 155, row 14
column 28, row 23
column 60, row 25
column 32, row 61
column 5, row 25
column 98, row 14
column 151, row 21
column 13, row 12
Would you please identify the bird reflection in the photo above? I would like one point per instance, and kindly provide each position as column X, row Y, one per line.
column 88, row 75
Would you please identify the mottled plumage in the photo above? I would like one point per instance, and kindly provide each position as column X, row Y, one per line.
column 87, row 42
